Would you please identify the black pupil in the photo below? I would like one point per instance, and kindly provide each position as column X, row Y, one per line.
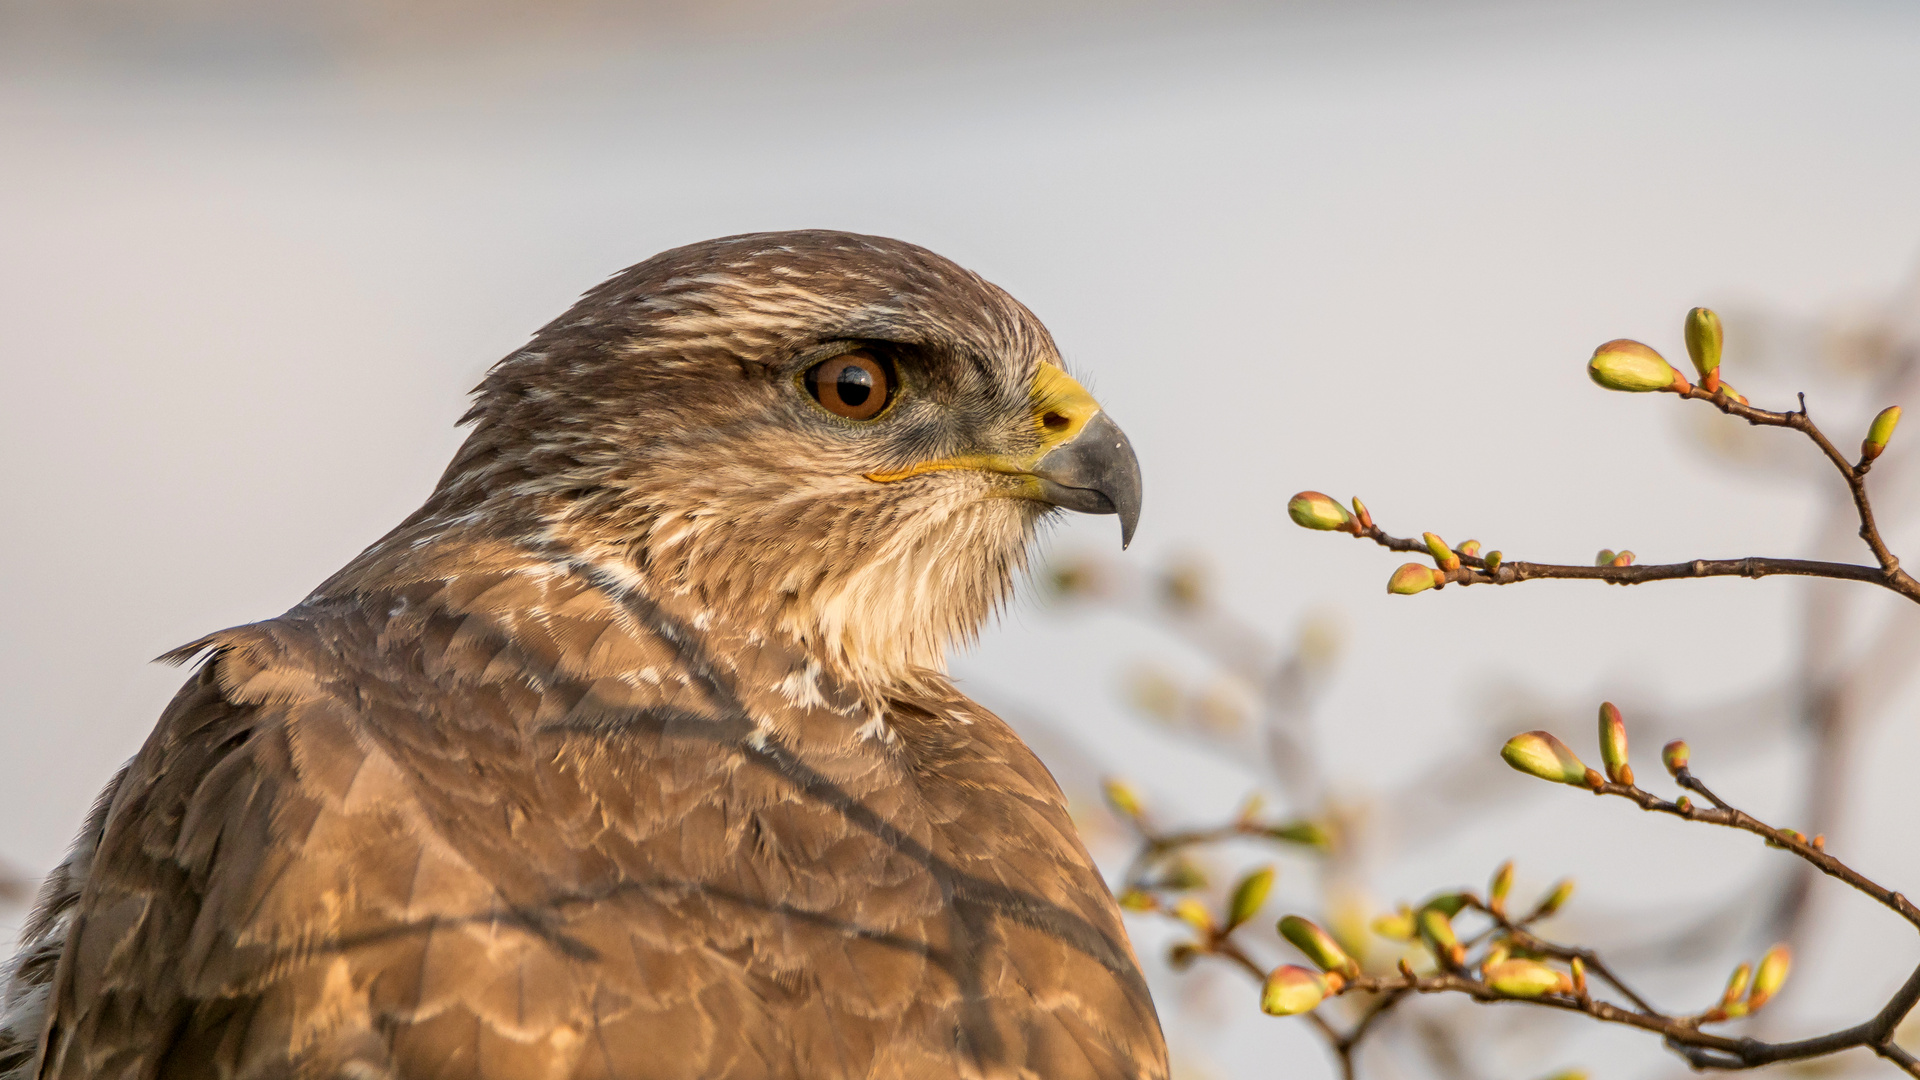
column 854, row 385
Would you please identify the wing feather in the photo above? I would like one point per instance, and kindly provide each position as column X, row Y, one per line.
column 518, row 827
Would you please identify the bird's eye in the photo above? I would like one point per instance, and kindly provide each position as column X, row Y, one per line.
column 856, row 385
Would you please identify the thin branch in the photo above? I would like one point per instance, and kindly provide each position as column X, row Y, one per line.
column 1702, row 1050
column 1473, row 570
column 1724, row 815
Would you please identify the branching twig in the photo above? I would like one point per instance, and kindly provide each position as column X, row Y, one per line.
column 1508, row 936
column 1470, row 569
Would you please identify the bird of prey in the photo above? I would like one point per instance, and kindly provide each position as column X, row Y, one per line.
column 630, row 754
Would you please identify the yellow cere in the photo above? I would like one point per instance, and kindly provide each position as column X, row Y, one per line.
column 1061, row 408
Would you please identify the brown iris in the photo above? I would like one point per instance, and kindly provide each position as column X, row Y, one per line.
column 856, row 385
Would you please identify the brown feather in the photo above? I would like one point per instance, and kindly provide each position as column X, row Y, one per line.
column 628, row 755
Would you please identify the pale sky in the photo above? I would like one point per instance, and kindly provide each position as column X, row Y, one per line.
column 1365, row 250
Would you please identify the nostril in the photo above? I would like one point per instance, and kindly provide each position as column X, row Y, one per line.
column 1053, row 421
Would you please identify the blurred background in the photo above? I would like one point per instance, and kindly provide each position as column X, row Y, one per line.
column 252, row 256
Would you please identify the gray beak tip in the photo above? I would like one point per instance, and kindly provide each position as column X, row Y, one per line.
column 1095, row 472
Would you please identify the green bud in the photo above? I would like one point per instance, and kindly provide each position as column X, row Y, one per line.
column 1397, row 926
column 1312, row 510
column 1613, row 744
column 1436, row 932
column 1628, row 365
column 1768, row 977
column 1527, row 979
column 1674, row 756
column 1292, row 990
column 1557, row 899
column 1604, row 557
column 1683, row 803
column 1538, row 753
column 1500, row 886
column 1137, row 900
column 1121, row 796
column 1493, row 560
column 1411, row 578
column 1195, row 914
column 1302, row 832
column 1880, row 431
column 1446, row 903
column 1737, row 985
column 1578, row 969
column 1319, row 946
column 1184, row 874
column 1249, row 895
column 1495, row 955
column 1732, row 394
column 1442, row 554
column 1704, row 338
column 1360, row 513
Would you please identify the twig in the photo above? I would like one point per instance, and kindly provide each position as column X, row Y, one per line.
column 1720, row 813
column 1702, row 1050
column 1886, row 573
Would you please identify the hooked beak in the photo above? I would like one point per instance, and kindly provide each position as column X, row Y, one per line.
column 1084, row 461
column 1095, row 472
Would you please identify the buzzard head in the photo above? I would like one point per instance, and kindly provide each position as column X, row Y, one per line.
column 842, row 439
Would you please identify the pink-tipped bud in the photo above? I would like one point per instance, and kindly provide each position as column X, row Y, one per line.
column 1539, row 753
column 1442, row 554
column 1628, row 365
column 1528, row 979
column 1879, row 432
column 1249, row 895
column 1291, row 990
column 1361, row 515
column 1471, row 547
column 1621, row 558
column 1768, row 977
column 1674, row 756
column 1312, row 510
column 1319, row 946
column 1613, row 744
column 1413, row 578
